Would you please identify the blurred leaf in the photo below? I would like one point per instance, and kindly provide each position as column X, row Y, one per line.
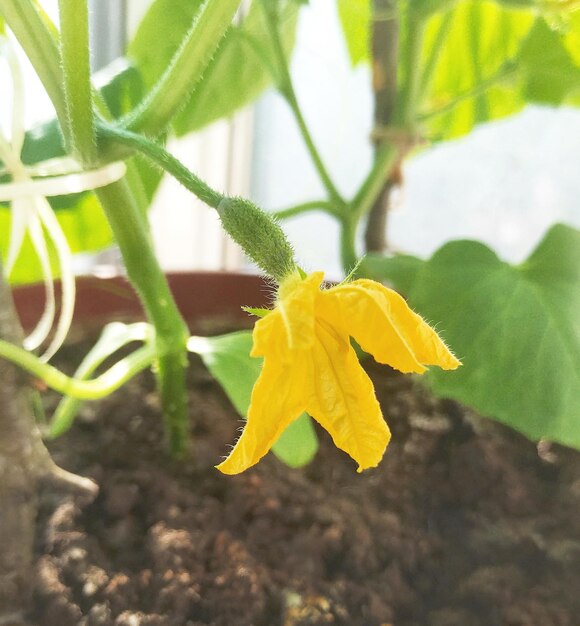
column 228, row 359
column 43, row 142
column 298, row 444
column 475, row 45
column 239, row 71
column 516, row 329
column 491, row 59
column 121, row 85
column 355, row 19
column 159, row 35
column 401, row 270
column 550, row 74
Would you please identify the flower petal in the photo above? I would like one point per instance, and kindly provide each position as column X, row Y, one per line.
column 383, row 324
column 344, row 402
column 366, row 315
column 277, row 400
column 293, row 318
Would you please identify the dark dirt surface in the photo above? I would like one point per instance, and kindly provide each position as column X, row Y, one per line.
column 465, row 523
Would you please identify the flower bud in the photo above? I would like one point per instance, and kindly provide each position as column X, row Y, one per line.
column 259, row 235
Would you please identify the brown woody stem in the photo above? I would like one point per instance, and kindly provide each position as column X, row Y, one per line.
column 24, row 464
column 385, row 55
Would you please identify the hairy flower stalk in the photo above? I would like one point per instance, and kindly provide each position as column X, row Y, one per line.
column 310, row 365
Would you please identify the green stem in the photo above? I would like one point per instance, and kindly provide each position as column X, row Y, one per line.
column 132, row 235
column 80, row 128
column 116, row 376
column 408, row 100
column 286, row 89
column 373, row 184
column 164, row 160
column 348, row 254
column 315, row 205
column 174, row 87
column 256, row 231
column 40, row 43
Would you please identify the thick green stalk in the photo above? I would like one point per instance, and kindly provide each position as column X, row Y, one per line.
column 79, row 129
column 132, row 235
column 174, row 87
column 40, row 44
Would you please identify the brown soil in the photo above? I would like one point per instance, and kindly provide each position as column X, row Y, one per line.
column 465, row 523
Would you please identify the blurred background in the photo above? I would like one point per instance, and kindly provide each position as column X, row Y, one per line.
column 504, row 184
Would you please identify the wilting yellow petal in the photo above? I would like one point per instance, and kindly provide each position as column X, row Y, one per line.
column 366, row 316
column 426, row 344
column 293, row 318
column 383, row 324
column 343, row 400
column 310, row 365
column 277, row 400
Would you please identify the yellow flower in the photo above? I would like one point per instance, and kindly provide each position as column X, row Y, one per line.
column 310, row 365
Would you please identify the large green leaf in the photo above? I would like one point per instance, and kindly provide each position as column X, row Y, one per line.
column 492, row 59
column 474, row 49
column 228, row 359
column 549, row 72
column 482, row 60
column 239, row 72
column 516, row 329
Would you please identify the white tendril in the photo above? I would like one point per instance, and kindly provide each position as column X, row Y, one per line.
column 63, row 185
column 31, row 213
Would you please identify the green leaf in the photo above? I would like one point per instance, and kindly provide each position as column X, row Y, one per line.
column 482, row 60
column 239, row 72
column 400, row 270
column 355, row 19
column 298, row 444
column 473, row 49
column 159, row 36
column 228, row 359
column 257, row 311
column 113, row 338
column 516, row 329
column 491, row 59
column 550, row 73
